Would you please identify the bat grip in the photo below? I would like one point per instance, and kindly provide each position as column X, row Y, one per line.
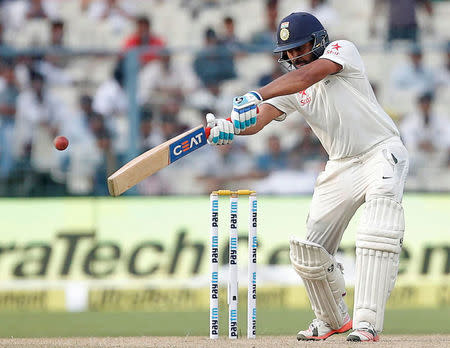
column 208, row 129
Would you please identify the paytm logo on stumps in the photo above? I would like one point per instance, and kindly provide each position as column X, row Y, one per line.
column 187, row 144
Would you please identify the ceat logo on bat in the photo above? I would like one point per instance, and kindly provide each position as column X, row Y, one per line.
column 187, row 144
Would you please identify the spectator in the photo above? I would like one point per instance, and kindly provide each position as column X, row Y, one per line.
column 265, row 40
column 144, row 37
column 8, row 101
column 447, row 56
column 38, row 120
column 444, row 72
column 85, row 4
column 5, row 47
column 225, row 172
column 41, row 9
column 214, row 63
column 117, row 13
column 274, row 158
column 15, row 14
column 402, row 18
column 108, row 162
column 170, row 125
column 414, row 75
column 86, row 106
column 411, row 79
column 91, row 158
column 54, row 63
column 81, row 159
column 229, row 37
column 212, row 98
column 23, row 67
column 164, row 79
column 287, row 172
column 110, row 100
column 148, row 138
column 196, row 6
column 85, row 121
column 312, row 154
column 427, row 138
column 275, row 73
column 324, row 12
column 57, row 34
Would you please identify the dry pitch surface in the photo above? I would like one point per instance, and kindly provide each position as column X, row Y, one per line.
column 397, row 341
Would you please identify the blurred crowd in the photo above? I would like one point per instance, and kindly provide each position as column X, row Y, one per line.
column 175, row 88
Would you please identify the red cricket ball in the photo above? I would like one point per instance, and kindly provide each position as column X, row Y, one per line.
column 61, row 143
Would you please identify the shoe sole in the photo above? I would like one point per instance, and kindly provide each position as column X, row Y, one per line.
column 343, row 329
column 357, row 339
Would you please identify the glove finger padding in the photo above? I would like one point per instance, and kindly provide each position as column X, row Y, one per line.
column 236, row 119
column 230, row 129
column 226, row 131
column 210, row 120
column 245, row 110
column 214, row 134
column 222, row 131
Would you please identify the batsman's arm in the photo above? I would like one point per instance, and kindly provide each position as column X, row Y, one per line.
column 300, row 79
column 267, row 113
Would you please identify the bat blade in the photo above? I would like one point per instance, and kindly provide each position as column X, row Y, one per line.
column 156, row 159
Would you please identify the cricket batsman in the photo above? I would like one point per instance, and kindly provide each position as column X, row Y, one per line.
column 368, row 163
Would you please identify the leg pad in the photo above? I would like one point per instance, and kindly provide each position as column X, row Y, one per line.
column 323, row 280
column 378, row 245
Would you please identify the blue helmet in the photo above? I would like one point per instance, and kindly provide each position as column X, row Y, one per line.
column 297, row 29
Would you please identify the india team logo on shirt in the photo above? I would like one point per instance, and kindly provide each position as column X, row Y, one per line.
column 334, row 49
column 304, row 98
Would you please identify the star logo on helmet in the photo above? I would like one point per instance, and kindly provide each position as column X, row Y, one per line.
column 336, row 46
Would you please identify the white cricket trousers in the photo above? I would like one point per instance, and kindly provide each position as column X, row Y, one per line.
column 347, row 183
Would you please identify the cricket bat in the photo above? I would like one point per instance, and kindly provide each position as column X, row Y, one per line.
column 156, row 158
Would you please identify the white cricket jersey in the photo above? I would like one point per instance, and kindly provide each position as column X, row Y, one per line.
column 341, row 109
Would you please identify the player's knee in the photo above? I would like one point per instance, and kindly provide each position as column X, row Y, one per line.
column 321, row 232
column 381, row 226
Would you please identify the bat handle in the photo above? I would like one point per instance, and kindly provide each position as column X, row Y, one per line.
column 208, row 129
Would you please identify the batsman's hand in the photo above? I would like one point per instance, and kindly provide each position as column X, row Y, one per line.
column 222, row 131
column 245, row 111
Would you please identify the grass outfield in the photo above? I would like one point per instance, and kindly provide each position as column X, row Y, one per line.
column 282, row 322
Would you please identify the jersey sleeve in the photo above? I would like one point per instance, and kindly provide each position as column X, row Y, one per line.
column 345, row 54
column 285, row 104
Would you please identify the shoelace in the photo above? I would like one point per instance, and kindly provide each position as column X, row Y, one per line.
column 316, row 323
column 366, row 327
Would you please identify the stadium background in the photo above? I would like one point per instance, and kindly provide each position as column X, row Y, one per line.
column 75, row 262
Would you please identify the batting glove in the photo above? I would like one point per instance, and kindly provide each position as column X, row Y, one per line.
column 245, row 111
column 222, row 132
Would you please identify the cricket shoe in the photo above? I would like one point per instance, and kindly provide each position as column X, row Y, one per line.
column 364, row 333
column 320, row 330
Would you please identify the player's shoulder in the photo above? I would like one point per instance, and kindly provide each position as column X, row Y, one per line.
column 346, row 54
column 342, row 42
column 340, row 46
